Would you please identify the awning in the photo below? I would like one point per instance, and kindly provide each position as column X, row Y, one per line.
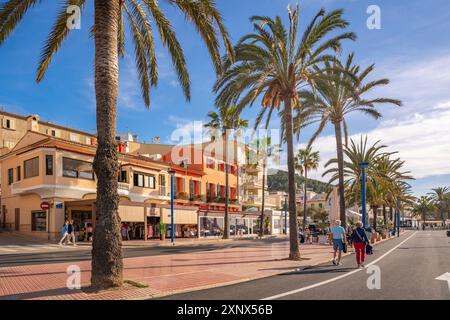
column 132, row 213
column 181, row 216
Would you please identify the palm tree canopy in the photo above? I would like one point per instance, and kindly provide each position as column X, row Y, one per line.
column 340, row 89
column 386, row 181
column 143, row 16
column 307, row 159
column 227, row 118
column 272, row 64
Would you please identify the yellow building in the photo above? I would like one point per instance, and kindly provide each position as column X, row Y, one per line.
column 13, row 127
column 43, row 168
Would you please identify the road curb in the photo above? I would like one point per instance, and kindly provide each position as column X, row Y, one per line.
column 224, row 284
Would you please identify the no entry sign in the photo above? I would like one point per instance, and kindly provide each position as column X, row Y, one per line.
column 45, row 205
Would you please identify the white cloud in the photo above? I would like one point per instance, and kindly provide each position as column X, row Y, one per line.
column 422, row 140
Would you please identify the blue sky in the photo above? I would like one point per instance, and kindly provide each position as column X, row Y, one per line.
column 412, row 48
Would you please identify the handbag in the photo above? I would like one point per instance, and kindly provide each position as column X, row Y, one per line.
column 369, row 248
column 344, row 247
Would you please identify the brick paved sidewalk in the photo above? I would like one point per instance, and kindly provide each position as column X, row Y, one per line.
column 164, row 274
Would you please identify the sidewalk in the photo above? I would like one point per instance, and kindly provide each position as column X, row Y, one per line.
column 156, row 276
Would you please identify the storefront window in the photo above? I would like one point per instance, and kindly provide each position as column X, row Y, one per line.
column 211, row 226
column 73, row 168
column 38, row 221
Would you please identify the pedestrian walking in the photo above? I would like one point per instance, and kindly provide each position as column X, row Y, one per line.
column 71, row 233
column 359, row 241
column 64, row 232
column 339, row 239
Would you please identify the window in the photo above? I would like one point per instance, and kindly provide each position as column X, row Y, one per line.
column 31, row 168
column 49, row 165
column 38, row 221
column 18, row 172
column 210, row 163
column 73, row 168
column 144, row 181
column 8, row 124
column 320, row 205
column 123, row 177
column 74, row 137
column 88, row 141
column 10, row 176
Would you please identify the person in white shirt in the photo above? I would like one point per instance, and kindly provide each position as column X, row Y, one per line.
column 339, row 238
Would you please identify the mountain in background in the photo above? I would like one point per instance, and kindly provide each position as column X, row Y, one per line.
column 277, row 180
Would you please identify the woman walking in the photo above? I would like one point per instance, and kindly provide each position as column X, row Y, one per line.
column 359, row 240
column 64, row 232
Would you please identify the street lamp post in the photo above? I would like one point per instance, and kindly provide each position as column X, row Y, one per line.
column 172, row 224
column 285, row 213
column 363, row 166
column 398, row 217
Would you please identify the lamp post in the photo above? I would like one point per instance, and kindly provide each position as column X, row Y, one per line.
column 172, row 226
column 397, row 213
column 363, row 166
column 285, row 213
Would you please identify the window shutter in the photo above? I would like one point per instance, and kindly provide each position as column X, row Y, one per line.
column 184, row 185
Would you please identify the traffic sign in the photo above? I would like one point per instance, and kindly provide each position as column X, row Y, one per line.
column 45, row 205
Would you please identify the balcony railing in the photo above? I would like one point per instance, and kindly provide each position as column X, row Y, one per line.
column 124, row 186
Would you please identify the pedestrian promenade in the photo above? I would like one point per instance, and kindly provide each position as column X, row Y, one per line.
column 156, row 276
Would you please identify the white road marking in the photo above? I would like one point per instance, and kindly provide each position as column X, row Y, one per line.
column 445, row 277
column 288, row 293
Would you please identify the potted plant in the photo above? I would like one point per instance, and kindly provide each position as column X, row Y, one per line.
column 162, row 231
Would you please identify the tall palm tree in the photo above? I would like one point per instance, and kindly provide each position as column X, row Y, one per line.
column 224, row 121
column 263, row 151
column 386, row 182
column 423, row 208
column 272, row 64
column 340, row 90
column 305, row 161
column 108, row 30
column 440, row 197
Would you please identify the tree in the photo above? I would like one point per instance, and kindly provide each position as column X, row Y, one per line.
column 263, row 150
column 440, row 197
column 272, row 65
column 109, row 41
column 306, row 160
column 224, row 121
column 423, row 208
column 340, row 90
column 385, row 179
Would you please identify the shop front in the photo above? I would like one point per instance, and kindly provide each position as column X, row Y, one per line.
column 211, row 224
column 185, row 221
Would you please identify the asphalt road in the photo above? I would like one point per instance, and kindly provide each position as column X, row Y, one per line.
column 408, row 268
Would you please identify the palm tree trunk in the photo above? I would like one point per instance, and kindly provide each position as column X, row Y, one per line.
column 261, row 231
column 226, row 234
column 107, row 264
column 294, row 252
column 385, row 218
column 375, row 216
column 340, row 158
column 391, row 216
column 304, row 200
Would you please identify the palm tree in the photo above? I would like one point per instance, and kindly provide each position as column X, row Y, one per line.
column 306, row 160
column 385, row 178
column 272, row 64
column 109, row 32
column 341, row 90
column 423, row 207
column 225, row 120
column 263, row 150
column 440, row 197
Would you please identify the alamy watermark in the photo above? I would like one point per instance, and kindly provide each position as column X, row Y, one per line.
column 374, row 19
column 74, row 19
column 73, row 281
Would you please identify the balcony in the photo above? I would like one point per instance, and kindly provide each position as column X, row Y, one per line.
column 251, row 200
column 252, row 182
